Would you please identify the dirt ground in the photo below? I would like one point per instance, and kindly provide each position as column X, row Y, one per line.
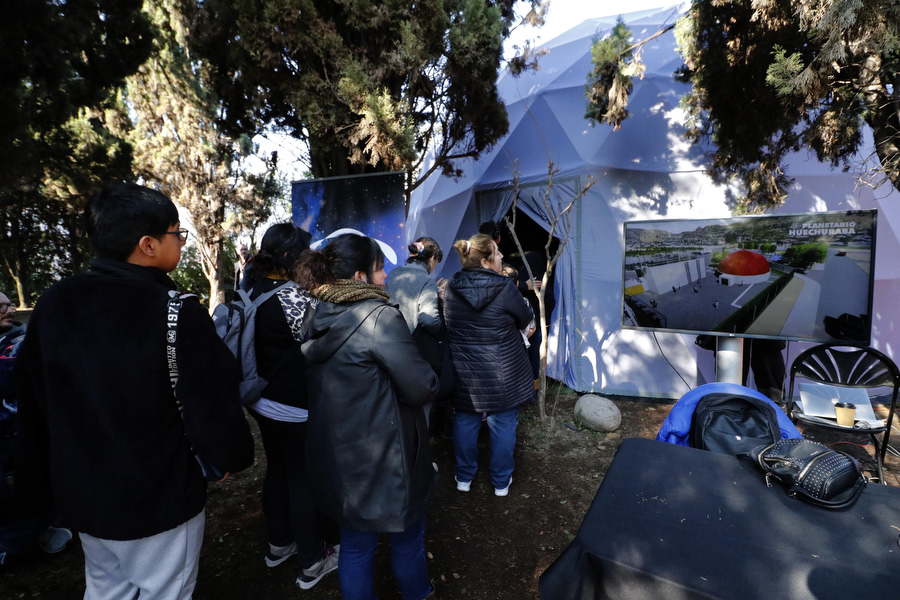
column 479, row 546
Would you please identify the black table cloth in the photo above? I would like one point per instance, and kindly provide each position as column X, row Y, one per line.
column 671, row 522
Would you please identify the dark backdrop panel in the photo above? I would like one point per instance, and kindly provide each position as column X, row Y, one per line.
column 373, row 204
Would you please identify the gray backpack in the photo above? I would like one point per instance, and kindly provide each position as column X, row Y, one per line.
column 235, row 323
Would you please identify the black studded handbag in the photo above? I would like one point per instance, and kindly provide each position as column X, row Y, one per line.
column 812, row 472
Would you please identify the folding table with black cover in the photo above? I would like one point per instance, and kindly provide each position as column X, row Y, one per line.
column 675, row 522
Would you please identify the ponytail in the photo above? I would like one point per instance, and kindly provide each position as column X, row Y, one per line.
column 423, row 249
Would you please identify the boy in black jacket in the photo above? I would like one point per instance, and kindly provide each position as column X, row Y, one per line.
column 100, row 434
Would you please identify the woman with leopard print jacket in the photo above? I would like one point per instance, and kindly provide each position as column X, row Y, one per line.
column 282, row 321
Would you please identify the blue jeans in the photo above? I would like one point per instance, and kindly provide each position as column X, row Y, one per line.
column 356, row 563
column 502, row 426
column 17, row 535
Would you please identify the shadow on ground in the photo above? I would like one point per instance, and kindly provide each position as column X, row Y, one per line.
column 479, row 546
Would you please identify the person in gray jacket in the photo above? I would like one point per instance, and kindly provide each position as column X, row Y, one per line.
column 415, row 293
column 484, row 314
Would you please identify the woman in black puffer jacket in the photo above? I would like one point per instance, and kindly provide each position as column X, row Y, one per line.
column 485, row 314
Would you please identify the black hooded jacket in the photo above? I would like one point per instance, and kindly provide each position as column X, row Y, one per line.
column 484, row 313
column 367, row 441
column 100, row 435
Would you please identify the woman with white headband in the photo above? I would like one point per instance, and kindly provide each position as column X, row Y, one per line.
column 368, row 449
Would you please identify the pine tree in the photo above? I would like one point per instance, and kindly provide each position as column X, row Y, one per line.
column 770, row 78
column 62, row 62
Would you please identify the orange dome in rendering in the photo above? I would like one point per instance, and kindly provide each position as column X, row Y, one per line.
column 744, row 263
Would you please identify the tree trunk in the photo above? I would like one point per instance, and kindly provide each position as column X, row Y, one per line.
column 20, row 291
column 212, row 267
column 884, row 118
column 542, row 373
column 216, row 292
column 14, row 256
column 541, row 396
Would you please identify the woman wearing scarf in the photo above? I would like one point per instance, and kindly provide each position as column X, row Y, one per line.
column 367, row 443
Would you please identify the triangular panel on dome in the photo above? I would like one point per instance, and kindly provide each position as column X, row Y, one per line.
column 569, row 109
column 575, row 73
column 560, row 66
column 537, row 139
column 651, row 139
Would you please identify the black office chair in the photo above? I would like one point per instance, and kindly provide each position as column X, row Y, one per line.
column 847, row 366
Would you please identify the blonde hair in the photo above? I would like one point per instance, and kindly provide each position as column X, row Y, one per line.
column 475, row 249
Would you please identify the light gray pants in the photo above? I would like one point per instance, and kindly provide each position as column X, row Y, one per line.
column 160, row 567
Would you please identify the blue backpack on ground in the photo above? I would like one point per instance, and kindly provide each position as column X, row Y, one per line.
column 235, row 323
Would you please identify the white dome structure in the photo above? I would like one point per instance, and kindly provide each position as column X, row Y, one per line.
column 646, row 170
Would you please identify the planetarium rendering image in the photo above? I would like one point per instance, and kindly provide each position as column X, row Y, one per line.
column 792, row 277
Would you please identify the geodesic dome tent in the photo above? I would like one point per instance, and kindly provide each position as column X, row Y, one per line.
column 646, row 170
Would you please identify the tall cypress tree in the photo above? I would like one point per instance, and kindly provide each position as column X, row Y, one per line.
column 180, row 147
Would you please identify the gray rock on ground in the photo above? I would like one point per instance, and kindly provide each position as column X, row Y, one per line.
column 597, row 413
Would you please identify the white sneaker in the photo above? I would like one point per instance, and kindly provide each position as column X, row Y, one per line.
column 311, row 576
column 279, row 554
column 463, row 486
column 503, row 491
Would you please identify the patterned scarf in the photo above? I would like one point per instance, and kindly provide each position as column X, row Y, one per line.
column 349, row 290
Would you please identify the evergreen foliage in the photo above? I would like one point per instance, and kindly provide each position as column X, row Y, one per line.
column 179, row 146
column 62, row 62
column 59, row 56
column 368, row 85
column 616, row 61
column 770, row 78
column 609, row 82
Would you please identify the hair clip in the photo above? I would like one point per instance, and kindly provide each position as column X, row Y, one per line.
column 419, row 248
column 468, row 246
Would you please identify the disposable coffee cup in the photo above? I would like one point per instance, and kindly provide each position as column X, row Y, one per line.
column 846, row 413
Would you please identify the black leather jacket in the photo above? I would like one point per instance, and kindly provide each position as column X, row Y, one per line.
column 367, row 441
column 484, row 312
